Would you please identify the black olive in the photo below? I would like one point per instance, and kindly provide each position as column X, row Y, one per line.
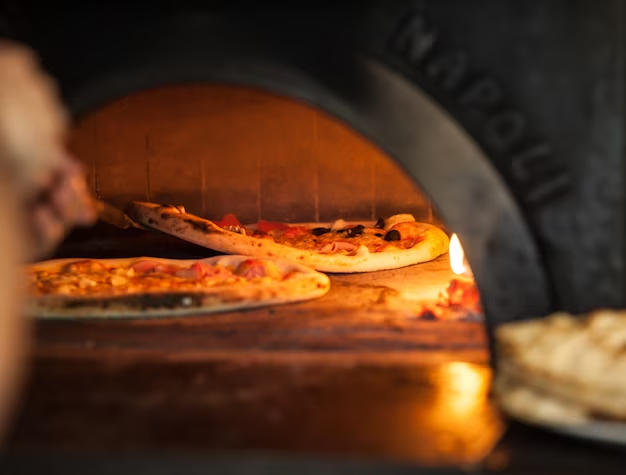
column 393, row 235
column 319, row 231
column 380, row 224
column 355, row 231
column 378, row 235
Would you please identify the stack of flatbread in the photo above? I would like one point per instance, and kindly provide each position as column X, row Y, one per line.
column 563, row 369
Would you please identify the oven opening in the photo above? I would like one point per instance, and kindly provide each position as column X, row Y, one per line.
column 363, row 348
column 220, row 150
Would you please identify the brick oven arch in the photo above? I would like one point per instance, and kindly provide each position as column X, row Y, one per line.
column 373, row 98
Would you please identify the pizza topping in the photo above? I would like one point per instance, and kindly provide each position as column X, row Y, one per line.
column 84, row 283
column 295, row 231
column 362, row 251
column 116, row 281
column 144, row 265
column 320, row 231
column 398, row 218
column 406, row 230
column 196, row 271
column 380, row 224
column 337, row 246
column 87, row 265
column 339, row 224
column 347, row 239
column 146, row 275
column 355, row 231
column 267, row 226
column 393, row 235
column 260, row 234
column 229, row 223
column 235, row 229
column 228, row 220
column 253, row 268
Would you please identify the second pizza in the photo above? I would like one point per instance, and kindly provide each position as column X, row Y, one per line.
column 342, row 247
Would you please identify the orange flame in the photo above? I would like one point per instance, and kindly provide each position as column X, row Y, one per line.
column 458, row 264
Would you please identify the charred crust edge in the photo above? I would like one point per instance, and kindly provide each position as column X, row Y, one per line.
column 141, row 302
column 201, row 226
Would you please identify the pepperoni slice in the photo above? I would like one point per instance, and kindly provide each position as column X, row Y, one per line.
column 228, row 220
column 198, row 270
column 145, row 265
column 295, row 231
column 267, row 226
column 166, row 269
column 251, row 268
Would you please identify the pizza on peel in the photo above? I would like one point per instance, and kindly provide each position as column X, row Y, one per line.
column 339, row 247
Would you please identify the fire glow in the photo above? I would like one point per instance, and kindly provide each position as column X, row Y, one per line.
column 461, row 291
column 460, row 299
column 458, row 264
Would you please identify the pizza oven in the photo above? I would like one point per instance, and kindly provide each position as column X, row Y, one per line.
column 499, row 122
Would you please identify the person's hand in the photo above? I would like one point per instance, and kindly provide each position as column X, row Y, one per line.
column 65, row 202
column 33, row 124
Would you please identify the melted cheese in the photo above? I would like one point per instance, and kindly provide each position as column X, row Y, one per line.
column 89, row 278
column 372, row 240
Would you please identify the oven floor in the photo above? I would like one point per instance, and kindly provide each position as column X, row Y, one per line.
column 364, row 317
column 435, row 414
column 370, row 316
column 353, row 373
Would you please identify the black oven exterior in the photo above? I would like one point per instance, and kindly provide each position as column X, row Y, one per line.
column 509, row 115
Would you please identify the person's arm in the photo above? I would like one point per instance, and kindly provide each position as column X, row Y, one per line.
column 13, row 326
column 42, row 195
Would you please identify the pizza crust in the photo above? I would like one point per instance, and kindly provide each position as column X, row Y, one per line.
column 580, row 362
column 200, row 231
column 304, row 285
column 527, row 403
